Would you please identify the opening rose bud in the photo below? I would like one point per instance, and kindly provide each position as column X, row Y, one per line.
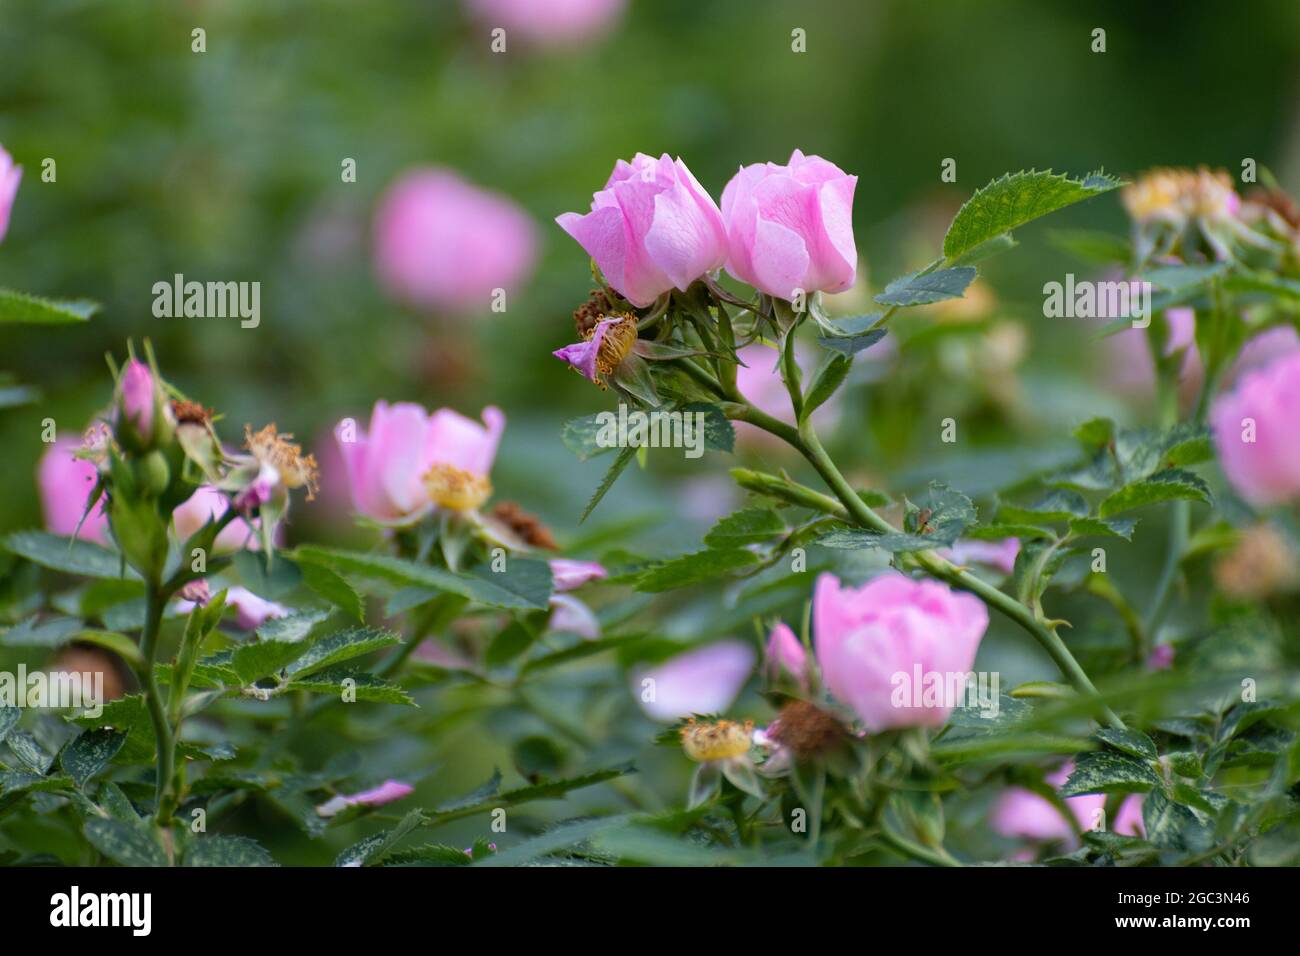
column 144, row 418
column 651, row 229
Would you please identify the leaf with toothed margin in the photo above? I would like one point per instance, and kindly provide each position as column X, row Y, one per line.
column 1105, row 771
column 1104, row 527
column 1174, row 484
column 927, row 288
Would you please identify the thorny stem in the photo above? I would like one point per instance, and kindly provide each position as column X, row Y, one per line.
column 806, row 442
column 163, row 735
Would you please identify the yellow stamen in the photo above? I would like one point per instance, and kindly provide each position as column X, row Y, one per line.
column 455, row 488
column 716, row 740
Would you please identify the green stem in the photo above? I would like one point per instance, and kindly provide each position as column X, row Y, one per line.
column 165, row 739
column 915, row 850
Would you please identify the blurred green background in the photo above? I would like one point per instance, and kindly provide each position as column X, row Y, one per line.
column 226, row 165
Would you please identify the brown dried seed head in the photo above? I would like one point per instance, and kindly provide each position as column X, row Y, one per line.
column 187, row 411
column 526, row 526
column 588, row 315
column 806, row 729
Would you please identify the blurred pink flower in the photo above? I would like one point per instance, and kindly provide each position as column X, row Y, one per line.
column 387, row 464
column 1127, row 357
column 652, row 228
column 790, row 227
column 209, row 504
column 568, row 574
column 1264, row 348
column 571, row 616
column 387, row 792
column 1024, row 814
column 704, row 680
column 10, row 176
column 995, row 554
column 548, row 22
column 1255, row 432
column 759, row 380
column 251, row 611
column 1161, row 658
column 785, row 655
column 65, row 484
column 864, row 636
column 445, row 245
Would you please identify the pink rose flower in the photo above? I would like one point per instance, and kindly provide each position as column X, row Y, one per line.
column 785, row 655
column 548, row 22
column 705, row 680
column 995, row 554
column 387, row 465
column 209, row 504
column 571, row 616
column 1265, row 471
column 1264, row 348
column 568, row 574
column 443, row 244
column 891, row 625
column 10, row 176
column 790, row 227
column 251, row 611
column 65, row 484
column 652, row 228
column 386, row 792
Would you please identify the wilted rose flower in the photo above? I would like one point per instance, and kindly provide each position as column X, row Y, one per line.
column 548, row 22
column 891, row 625
column 705, row 680
column 445, row 245
column 604, row 349
column 995, row 554
column 652, row 228
column 410, row 460
column 386, row 792
column 790, row 228
column 65, row 483
column 209, row 504
column 10, row 176
column 785, row 655
column 1255, row 428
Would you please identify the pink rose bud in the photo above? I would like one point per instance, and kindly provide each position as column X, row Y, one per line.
column 137, row 401
column 790, row 228
column 705, row 680
column 410, row 460
column 785, row 655
column 10, row 176
column 209, row 504
column 567, row 574
column 1255, row 428
column 65, row 483
column 547, row 22
column 891, row 626
column 651, row 229
column 196, row 592
column 444, row 245
column 387, row 792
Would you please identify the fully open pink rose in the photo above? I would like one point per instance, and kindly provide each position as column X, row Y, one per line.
column 65, row 484
column 547, row 22
column 652, row 228
column 445, row 245
column 10, row 176
column 705, row 680
column 1255, row 432
column 387, row 464
column 890, row 626
column 790, row 228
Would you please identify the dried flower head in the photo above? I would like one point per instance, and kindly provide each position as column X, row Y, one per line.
column 527, row 527
column 588, row 315
column 716, row 739
column 1178, row 195
column 805, row 729
column 190, row 412
column 295, row 469
column 455, row 488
